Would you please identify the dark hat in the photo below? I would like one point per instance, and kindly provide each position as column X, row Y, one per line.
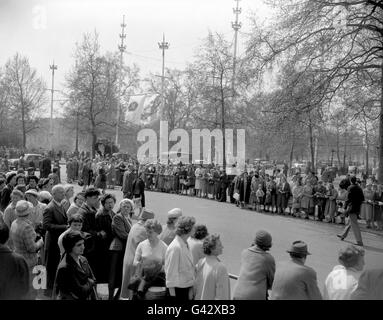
column 70, row 239
column 299, row 247
column 146, row 215
column 263, row 239
column 350, row 255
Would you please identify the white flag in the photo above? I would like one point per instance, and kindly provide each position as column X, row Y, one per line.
column 135, row 109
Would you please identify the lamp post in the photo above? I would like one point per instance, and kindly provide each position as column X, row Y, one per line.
column 53, row 67
column 163, row 46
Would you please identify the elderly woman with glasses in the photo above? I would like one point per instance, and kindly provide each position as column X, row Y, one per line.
column 343, row 279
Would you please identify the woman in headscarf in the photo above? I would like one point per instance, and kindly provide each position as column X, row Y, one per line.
column 257, row 270
column 74, row 278
column 121, row 225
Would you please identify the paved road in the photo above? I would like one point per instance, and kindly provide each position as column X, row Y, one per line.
column 237, row 228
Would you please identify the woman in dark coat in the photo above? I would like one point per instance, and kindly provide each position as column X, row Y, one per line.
column 121, row 225
column 257, row 270
column 87, row 174
column 104, row 218
column 74, row 277
column 244, row 190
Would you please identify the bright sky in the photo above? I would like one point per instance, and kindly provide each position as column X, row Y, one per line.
column 47, row 30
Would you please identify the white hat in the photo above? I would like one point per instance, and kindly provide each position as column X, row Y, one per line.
column 175, row 213
column 33, row 192
column 23, row 208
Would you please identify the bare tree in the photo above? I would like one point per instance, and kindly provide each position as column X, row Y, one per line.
column 93, row 88
column 340, row 40
column 25, row 93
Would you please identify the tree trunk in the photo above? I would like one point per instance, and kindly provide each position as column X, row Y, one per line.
column 337, row 143
column 312, row 151
column 345, row 148
column 380, row 168
column 23, row 126
column 292, row 151
column 94, row 141
column 223, row 129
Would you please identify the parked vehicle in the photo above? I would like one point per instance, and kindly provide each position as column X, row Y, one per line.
column 36, row 158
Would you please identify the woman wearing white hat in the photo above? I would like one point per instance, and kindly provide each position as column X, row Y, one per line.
column 24, row 237
column 169, row 230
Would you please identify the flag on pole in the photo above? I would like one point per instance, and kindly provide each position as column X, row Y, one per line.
column 135, row 109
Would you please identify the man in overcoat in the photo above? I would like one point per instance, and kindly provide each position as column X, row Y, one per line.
column 45, row 167
column 88, row 212
column 294, row 280
column 138, row 189
column 55, row 222
column 129, row 177
column 355, row 198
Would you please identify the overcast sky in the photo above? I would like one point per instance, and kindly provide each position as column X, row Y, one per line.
column 47, row 30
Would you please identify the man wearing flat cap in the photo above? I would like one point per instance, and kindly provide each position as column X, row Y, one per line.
column 293, row 280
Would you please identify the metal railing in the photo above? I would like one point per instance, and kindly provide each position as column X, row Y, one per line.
column 233, row 276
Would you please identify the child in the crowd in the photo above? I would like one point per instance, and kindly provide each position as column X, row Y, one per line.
column 259, row 194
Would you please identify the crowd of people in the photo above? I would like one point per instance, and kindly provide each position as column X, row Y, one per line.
column 88, row 238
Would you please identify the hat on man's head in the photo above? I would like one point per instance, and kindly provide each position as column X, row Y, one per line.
column 299, row 247
column 33, row 192
column 147, row 214
column 263, row 239
column 175, row 213
column 23, row 208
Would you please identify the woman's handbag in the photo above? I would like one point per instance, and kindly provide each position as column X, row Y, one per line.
column 236, row 196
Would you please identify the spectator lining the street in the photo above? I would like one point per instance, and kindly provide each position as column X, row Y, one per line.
column 343, row 279
column 212, row 279
column 179, row 267
column 169, row 230
column 294, row 280
column 195, row 242
column 256, row 275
